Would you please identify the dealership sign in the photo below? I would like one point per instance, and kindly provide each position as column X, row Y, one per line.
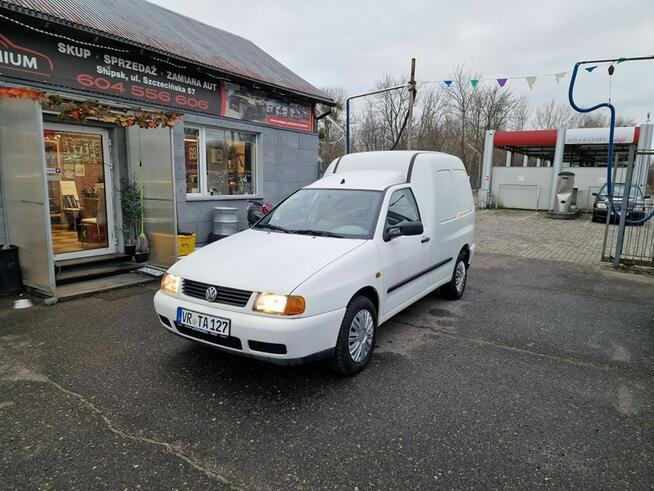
column 39, row 58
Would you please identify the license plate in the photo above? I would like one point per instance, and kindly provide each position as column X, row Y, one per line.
column 218, row 326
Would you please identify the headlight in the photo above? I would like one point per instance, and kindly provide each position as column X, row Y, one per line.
column 170, row 283
column 601, row 206
column 271, row 303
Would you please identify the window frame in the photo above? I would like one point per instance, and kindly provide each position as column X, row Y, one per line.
column 203, row 195
column 415, row 202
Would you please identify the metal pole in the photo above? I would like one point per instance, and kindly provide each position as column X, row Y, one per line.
column 625, row 203
column 412, row 96
column 347, row 125
column 559, row 151
column 484, row 195
column 347, row 110
column 607, row 223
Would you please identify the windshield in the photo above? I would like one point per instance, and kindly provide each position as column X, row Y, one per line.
column 619, row 188
column 346, row 213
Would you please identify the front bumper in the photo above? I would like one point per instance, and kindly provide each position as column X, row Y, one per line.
column 275, row 339
column 600, row 213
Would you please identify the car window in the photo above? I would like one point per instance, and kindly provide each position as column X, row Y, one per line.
column 348, row 213
column 402, row 207
column 619, row 188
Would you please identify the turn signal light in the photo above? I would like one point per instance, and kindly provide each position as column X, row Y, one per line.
column 271, row 303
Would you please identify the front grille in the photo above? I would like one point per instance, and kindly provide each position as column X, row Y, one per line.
column 228, row 296
column 229, row 342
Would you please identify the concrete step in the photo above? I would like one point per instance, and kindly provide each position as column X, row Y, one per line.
column 85, row 288
column 93, row 270
column 82, row 261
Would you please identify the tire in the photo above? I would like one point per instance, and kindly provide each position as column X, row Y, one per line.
column 455, row 288
column 347, row 359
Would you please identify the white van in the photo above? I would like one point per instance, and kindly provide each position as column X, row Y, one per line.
column 316, row 276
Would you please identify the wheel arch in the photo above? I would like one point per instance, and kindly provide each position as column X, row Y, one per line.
column 465, row 250
column 371, row 293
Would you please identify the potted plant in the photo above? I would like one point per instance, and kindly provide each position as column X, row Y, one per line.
column 132, row 208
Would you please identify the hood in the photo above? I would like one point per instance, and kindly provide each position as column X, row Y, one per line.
column 261, row 260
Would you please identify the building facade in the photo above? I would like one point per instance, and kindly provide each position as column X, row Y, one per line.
column 95, row 107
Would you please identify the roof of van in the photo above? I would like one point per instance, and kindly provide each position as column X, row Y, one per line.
column 365, row 179
column 393, row 160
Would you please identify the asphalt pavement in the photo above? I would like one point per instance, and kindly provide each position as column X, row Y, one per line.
column 540, row 377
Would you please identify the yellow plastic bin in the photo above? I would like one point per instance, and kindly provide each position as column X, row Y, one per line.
column 185, row 244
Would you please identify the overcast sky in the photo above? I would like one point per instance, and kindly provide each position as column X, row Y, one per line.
column 352, row 43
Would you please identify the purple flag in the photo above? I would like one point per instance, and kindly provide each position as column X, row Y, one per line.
column 501, row 81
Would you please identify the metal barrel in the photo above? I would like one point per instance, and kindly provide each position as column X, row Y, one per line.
column 225, row 220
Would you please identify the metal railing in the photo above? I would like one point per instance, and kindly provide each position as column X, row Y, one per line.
column 625, row 243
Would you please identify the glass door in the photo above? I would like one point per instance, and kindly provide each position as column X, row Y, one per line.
column 79, row 191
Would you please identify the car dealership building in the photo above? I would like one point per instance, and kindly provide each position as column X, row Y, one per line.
column 96, row 92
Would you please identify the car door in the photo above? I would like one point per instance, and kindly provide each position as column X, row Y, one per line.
column 445, row 249
column 404, row 259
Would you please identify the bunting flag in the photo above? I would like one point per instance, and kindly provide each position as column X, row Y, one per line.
column 559, row 76
column 531, row 81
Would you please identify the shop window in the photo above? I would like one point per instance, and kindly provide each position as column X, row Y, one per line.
column 219, row 162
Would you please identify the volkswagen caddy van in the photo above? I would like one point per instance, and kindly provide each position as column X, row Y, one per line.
column 318, row 275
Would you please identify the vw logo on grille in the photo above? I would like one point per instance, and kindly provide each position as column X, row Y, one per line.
column 211, row 294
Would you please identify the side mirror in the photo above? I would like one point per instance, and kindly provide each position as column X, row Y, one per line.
column 594, row 194
column 402, row 228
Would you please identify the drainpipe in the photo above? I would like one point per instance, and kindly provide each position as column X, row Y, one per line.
column 557, row 164
column 5, row 222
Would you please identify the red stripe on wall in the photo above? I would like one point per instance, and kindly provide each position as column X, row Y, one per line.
column 532, row 138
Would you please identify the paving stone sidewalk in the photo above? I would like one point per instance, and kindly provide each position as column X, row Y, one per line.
column 531, row 234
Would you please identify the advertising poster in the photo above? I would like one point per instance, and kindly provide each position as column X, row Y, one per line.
column 251, row 105
column 28, row 55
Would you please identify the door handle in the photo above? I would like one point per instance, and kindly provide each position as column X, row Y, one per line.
column 424, row 239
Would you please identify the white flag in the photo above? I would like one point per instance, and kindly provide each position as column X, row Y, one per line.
column 531, row 81
column 559, row 76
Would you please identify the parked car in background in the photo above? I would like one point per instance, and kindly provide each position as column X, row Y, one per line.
column 317, row 275
column 635, row 203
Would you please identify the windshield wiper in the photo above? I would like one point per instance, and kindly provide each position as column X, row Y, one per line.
column 268, row 226
column 319, row 233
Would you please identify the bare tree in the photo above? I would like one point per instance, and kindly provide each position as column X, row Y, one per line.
column 460, row 96
column 624, row 121
column 554, row 115
column 595, row 119
column 330, row 128
column 521, row 114
column 429, row 118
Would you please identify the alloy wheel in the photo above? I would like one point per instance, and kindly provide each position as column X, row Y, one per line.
column 460, row 276
column 362, row 330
